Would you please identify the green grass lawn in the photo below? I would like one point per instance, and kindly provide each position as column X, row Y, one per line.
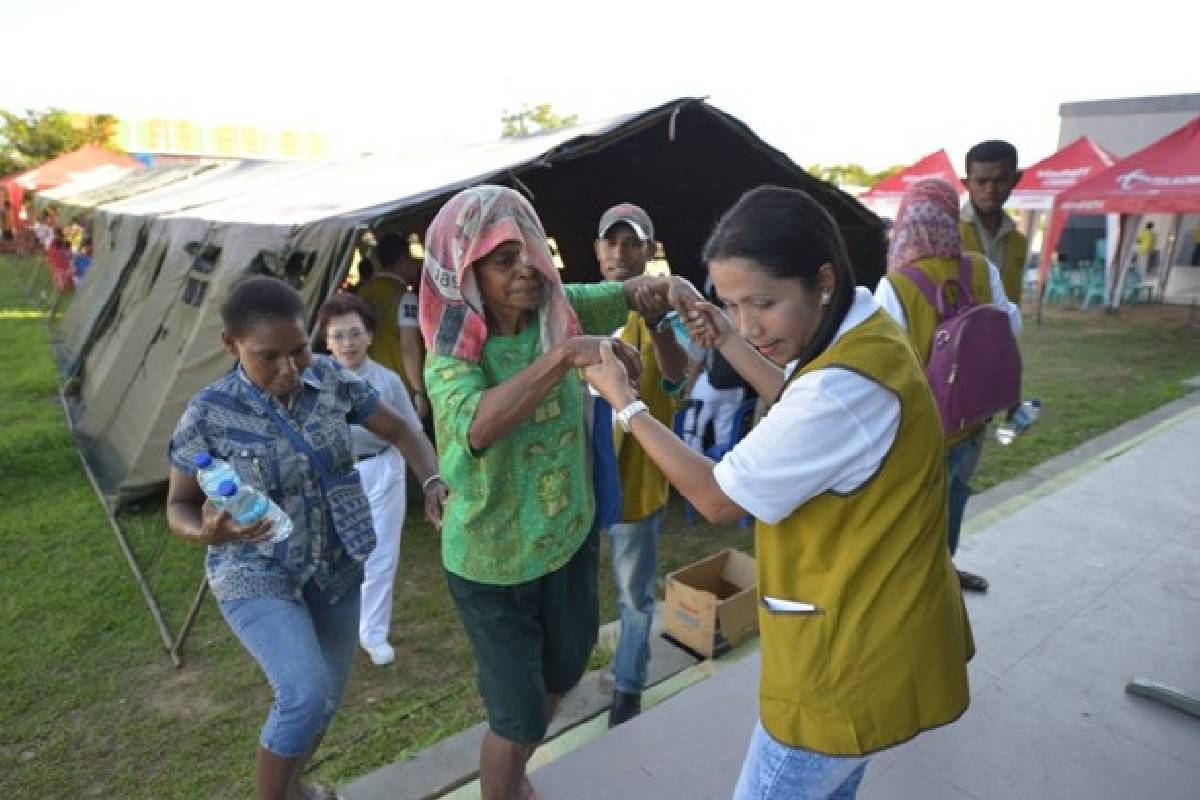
column 93, row 708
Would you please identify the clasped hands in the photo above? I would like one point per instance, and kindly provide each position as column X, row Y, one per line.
column 613, row 375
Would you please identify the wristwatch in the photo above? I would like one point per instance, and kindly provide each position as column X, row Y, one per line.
column 625, row 415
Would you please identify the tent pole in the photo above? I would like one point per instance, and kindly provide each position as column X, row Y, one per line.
column 151, row 604
column 192, row 614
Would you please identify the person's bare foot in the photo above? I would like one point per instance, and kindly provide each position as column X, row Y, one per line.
column 525, row 789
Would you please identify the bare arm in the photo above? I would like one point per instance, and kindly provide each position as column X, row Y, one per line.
column 505, row 406
column 688, row 471
column 418, row 452
column 649, row 295
column 412, row 356
column 709, row 325
column 410, row 440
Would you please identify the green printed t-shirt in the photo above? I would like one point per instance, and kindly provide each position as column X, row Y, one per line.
column 521, row 508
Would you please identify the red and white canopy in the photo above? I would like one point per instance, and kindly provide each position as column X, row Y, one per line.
column 1057, row 173
column 934, row 165
column 1163, row 177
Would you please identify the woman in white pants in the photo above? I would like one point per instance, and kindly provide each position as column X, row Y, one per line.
column 347, row 324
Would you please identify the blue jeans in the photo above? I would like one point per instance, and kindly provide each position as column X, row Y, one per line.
column 306, row 650
column 634, row 548
column 775, row 771
column 961, row 461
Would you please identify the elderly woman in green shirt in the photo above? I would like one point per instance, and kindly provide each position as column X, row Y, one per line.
column 505, row 339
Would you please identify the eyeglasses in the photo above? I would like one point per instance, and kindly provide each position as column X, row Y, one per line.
column 352, row 335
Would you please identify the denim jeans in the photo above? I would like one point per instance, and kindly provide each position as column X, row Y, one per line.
column 634, row 548
column 961, row 461
column 306, row 649
column 775, row 771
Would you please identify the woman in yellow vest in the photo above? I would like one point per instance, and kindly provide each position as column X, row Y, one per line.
column 926, row 237
column 864, row 635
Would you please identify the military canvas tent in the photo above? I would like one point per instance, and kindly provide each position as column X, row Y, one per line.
column 143, row 334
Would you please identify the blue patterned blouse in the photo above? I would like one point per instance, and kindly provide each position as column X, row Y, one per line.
column 234, row 419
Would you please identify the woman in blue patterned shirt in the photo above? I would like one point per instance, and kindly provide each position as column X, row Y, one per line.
column 282, row 419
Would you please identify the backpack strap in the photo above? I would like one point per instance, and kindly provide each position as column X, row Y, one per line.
column 936, row 295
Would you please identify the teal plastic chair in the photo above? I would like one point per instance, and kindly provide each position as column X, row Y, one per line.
column 1096, row 287
column 1134, row 286
column 1058, row 286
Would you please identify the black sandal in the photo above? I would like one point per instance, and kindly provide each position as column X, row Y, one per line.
column 970, row 582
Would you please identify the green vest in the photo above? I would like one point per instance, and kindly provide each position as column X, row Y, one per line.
column 885, row 657
column 921, row 316
column 1016, row 250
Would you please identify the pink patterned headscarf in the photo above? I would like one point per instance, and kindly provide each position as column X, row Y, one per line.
column 472, row 224
column 926, row 225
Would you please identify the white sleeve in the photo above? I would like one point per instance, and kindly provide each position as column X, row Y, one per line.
column 407, row 311
column 830, row 430
column 885, row 295
column 1000, row 299
column 398, row 396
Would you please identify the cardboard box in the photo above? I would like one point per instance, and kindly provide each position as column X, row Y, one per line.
column 711, row 606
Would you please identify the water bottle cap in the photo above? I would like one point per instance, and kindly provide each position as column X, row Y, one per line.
column 227, row 488
column 202, row 460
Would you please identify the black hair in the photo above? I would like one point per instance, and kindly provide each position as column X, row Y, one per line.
column 341, row 304
column 258, row 299
column 992, row 151
column 1149, row 226
column 391, row 249
column 791, row 236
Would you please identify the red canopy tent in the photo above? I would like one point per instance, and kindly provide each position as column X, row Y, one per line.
column 1056, row 173
column 63, row 168
column 1163, row 177
column 889, row 190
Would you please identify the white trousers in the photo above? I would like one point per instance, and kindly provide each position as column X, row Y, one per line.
column 717, row 406
column 383, row 482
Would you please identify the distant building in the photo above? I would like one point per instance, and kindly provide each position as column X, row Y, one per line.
column 1126, row 125
column 166, row 138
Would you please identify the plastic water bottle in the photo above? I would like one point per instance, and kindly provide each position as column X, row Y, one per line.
column 248, row 505
column 210, row 472
column 695, row 351
column 1019, row 421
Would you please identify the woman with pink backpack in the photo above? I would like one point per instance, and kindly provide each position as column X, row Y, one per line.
column 923, row 290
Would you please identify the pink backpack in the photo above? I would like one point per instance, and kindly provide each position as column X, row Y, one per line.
column 974, row 365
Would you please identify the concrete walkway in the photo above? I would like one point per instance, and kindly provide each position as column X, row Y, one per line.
column 1094, row 563
column 1093, row 584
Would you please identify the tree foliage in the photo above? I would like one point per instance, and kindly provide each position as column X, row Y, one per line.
column 28, row 139
column 852, row 174
column 538, row 119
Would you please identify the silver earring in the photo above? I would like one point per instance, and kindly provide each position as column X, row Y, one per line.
column 826, row 298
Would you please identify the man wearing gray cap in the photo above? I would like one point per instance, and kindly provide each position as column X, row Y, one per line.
column 624, row 244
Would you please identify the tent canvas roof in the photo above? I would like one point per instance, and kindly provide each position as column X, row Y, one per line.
column 132, row 184
column 1058, row 172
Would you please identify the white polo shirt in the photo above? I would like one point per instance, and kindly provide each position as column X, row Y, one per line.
column 829, row 431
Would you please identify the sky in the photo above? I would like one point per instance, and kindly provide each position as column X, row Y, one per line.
column 835, row 82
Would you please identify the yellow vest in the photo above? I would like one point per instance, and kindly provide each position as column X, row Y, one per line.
column 383, row 291
column 1016, row 250
column 922, row 317
column 885, row 658
column 643, row 485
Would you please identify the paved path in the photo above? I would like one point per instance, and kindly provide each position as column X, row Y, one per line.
column 1094, row 560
